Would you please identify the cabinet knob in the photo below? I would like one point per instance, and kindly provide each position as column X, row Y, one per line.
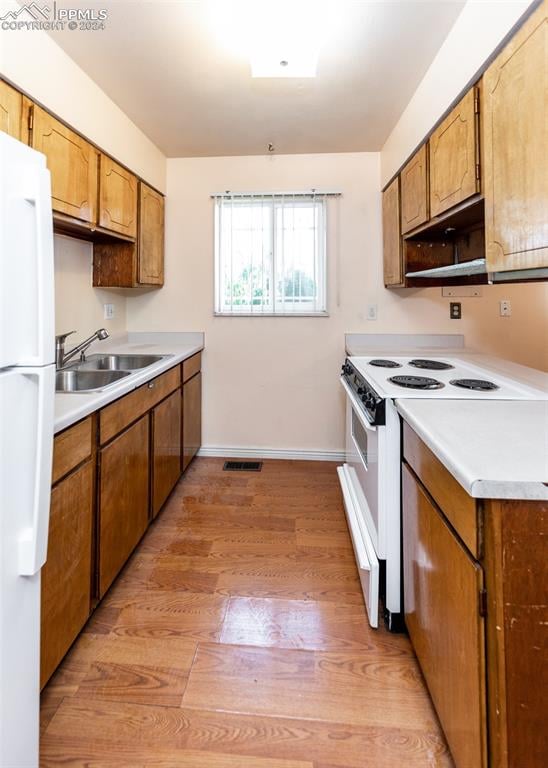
column 151, row 385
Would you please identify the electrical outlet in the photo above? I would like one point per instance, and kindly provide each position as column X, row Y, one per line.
column 108, row 311
column 505, row 308
column 371, row 311
column 455, row 310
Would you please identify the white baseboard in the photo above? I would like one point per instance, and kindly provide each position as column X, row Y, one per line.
column 228, row 452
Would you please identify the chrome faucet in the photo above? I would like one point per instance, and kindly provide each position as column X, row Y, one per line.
column 62, row 357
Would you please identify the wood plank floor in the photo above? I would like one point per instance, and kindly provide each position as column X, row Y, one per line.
column 236, row 638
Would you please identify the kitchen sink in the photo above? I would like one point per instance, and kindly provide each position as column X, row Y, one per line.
column 118, row 362
column 86, row 381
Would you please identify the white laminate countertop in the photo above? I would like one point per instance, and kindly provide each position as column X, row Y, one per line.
column 73, row 406
column 496, row 449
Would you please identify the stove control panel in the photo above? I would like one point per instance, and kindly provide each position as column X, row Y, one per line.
column 372, row 404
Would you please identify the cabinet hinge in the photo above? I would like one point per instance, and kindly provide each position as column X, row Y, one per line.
column 482, row 602
column 476, row 101
column 30, row 123
column 477, row 171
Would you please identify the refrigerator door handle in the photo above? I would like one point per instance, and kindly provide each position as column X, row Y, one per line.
column 37, row 191
column 33, row 543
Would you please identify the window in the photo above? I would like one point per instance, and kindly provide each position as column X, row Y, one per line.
column 270, row 254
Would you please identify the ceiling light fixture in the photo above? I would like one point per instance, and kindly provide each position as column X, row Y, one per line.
column 281, row 40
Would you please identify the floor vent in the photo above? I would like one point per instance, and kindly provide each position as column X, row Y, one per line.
column 243, row 466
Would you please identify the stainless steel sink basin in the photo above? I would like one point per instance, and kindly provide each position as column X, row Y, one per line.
column 118, row 362
column 86, row 381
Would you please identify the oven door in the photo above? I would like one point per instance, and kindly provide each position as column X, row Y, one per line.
column 363, row 448
column 366, row 559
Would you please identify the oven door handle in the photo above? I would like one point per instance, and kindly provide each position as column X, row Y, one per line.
column 357, row 407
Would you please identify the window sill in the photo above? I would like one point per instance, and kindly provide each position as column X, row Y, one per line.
column 271, row 314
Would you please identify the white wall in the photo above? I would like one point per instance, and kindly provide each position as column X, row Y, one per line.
column 272, row 382
column 479, row 29
column 38, row 66
column 78, row 306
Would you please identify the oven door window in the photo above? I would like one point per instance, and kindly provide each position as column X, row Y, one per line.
column 359, row 435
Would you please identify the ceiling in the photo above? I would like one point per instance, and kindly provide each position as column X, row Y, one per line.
column 180, row 71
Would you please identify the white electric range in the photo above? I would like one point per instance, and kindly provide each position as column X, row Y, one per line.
column 371, row 479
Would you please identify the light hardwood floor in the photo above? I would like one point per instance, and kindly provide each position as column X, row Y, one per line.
column 236, row 638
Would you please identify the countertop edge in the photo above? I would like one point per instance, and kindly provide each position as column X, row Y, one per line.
column 476, row 487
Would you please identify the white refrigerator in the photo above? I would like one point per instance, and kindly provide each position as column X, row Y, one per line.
column 27, row 386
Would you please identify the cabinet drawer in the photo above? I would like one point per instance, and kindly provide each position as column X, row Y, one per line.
column 192, row 366
column 127, row 409
column 442, row 585
column 70, row 448
column 458, row 507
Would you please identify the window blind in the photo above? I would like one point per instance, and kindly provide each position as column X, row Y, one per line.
column 270, row 253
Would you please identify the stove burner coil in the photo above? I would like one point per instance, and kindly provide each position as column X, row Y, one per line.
column 478, row 385
column 416, row 382
column 379, row 363
column 432, row 365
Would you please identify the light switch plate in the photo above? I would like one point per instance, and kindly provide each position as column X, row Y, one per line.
column 108, row 311
column 371, row 311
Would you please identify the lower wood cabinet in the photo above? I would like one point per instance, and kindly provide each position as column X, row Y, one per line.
column 475, row 573
column 444, row 623
column 123, row 499
column 66, row 576
column 192, row 419
column 112, row 472
column 166, row 449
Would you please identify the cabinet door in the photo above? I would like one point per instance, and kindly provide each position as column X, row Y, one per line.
column 117, row 198
column 192, row 418
column 515, row 141
column 11, row 110
column 391, row 238
column 123, row 499
column 414, row 191
column 151, row 237
column 66, row 576
column 454, row 156
column 166, row 449
column 441, row 599
column 72, row 163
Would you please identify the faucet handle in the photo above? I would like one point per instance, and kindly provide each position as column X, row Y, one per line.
column 60, row 338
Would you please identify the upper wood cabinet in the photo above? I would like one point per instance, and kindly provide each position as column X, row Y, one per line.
column 454, row 156
column 117, row 198
column 515, row 141
column 72, row 162
column 150, row 270
column 11, row 110
column 414, row 191
column 129, row 265
column 391, row 238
